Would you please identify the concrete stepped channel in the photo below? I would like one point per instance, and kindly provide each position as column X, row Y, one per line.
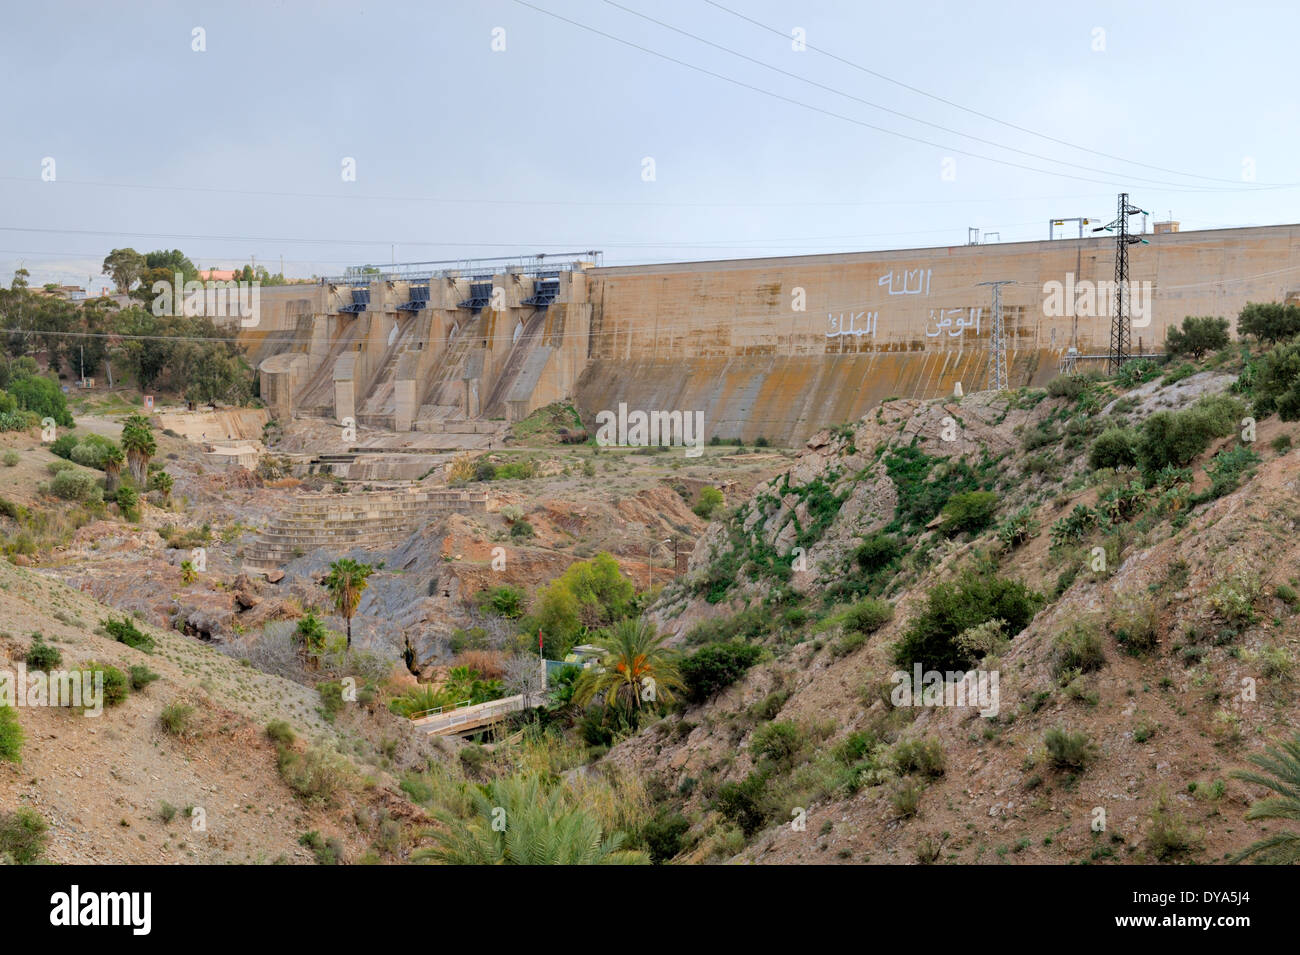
column 372, row 519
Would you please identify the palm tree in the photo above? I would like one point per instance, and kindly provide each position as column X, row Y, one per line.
column 310, row 636
column 1281, row 765
column 346, row 582
column 139, row 445
column 519, row 821
column 634, row 667
column 113, row 459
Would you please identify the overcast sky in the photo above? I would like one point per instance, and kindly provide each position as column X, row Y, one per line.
column 463, row 150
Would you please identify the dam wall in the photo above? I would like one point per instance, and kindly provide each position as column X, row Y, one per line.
column 781, row 347
column 772, row 347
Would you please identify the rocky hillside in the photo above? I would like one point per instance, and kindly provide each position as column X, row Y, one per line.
column 1140, row 573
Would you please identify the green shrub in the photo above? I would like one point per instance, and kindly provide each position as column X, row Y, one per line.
column 42, row 397
column 117, row 687
column 281, row 733
column 62, row 445
column 877, row 551
column 316, row 774
column 22, row 836
column 1067, row 386
column 1135, row 622
column 1197, row 336
column 42, row 656
column 1281, row 444
column 1269, row 321
column 1079, row 649
column 521, row 529
column 920, row 756
column 76, row 486
column 93, row 451
column 1067, row 750
column 951, row 608
column 124, row 631
column 969, row 511
column 328, row 851
column 59, row 466
column 142, row 676
column 867, row 616
column 715, row 667
column 1114, row 448
column 1278, row 385
column 11, row 459
column 127, row 498
column 1173, row 438
column 742, row 803
column 710, row 500
column 177, row 718
column 11, row 735
column 778, row 743
column 664, row 835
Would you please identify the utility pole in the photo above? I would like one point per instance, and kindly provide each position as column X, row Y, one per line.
column 1120, row 327
column 998, row 345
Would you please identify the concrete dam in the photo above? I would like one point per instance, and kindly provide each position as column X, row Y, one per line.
column 772, row 347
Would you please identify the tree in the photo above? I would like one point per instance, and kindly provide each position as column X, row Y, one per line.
column 113, row 459
column 635, row 667
column 1269, row 321
column 310, row 635
column 1197, row 336
column 346, row 582
column 1281, row 774
column 522, row 821
column 139, row 444
column 1279, row 382
column 589, row 594
column 125, row 266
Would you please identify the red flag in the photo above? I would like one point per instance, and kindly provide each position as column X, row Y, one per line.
column 539, row 639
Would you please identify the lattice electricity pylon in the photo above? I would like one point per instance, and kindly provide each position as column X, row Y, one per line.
column 998, row 343
column 1120, row 327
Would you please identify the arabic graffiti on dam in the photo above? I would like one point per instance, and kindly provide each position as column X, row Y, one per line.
column 851, row 329
column 955, row 320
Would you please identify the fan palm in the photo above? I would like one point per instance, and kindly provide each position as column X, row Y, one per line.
column 346, row 582
column 519, row 821
column 139, row 444
column 113, row 458
column 1281, row 773
column 634, row 667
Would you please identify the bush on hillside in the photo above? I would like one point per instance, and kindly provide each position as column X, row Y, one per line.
column 1114, row 448
column 76, row 486
column 1197, row 336
column 952, row 608
column 970, row 511
column 714, row 667
column 1174, row 438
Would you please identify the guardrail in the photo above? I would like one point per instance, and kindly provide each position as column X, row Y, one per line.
column 440, row 719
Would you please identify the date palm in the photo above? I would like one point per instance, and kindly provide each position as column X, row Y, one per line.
column 1281, row 774
column 520, row 821
column 634, row 668
column 346, row 583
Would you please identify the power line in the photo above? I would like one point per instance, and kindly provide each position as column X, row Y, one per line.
column 967, row 109
column 850, row 119
column 894, row 112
